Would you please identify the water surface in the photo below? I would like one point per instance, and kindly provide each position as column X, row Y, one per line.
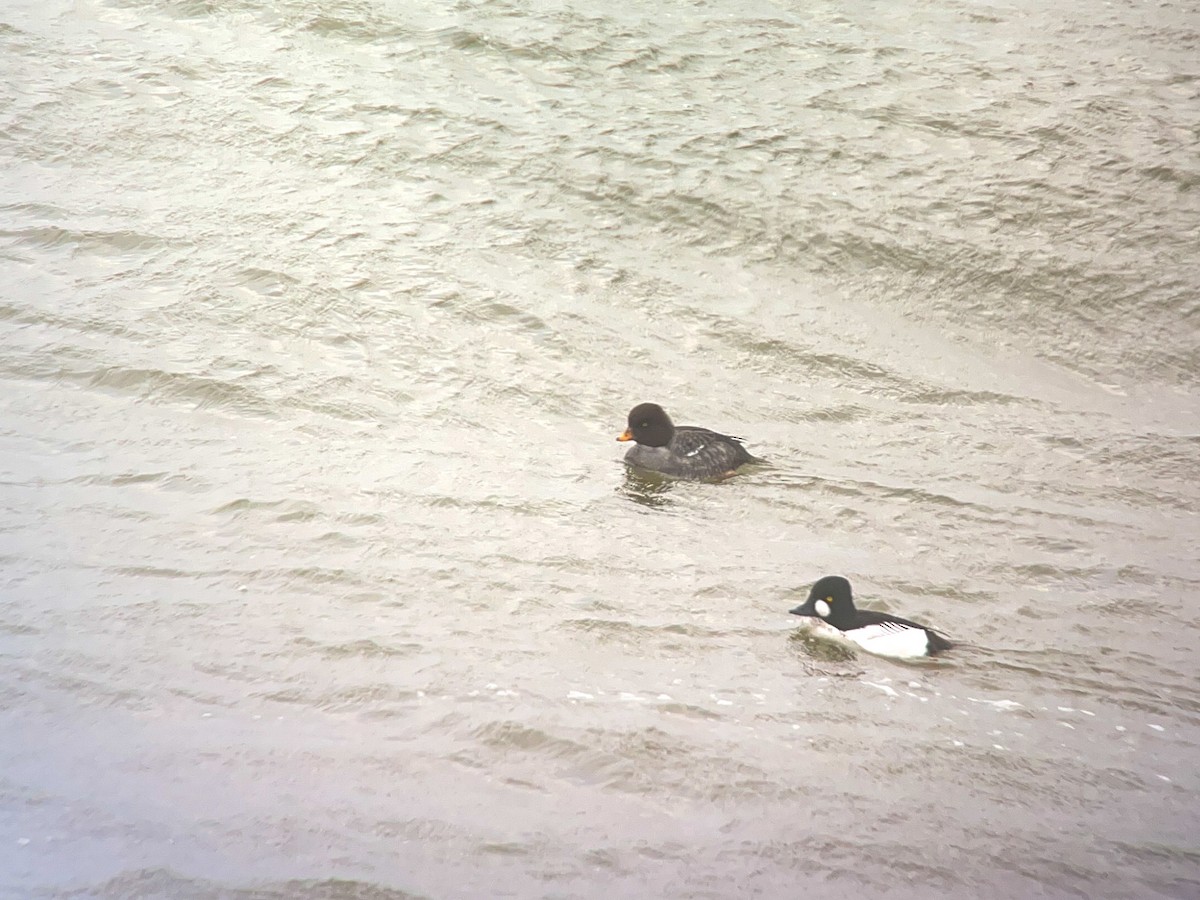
column 322, row 577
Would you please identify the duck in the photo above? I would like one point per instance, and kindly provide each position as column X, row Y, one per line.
column 680, row 451
column 831, row 601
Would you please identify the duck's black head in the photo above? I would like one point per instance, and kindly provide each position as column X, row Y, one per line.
column 830, row 599
column 649, row 425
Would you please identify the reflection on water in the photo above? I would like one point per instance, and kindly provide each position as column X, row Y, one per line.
column 647, row 488
column 822, row 647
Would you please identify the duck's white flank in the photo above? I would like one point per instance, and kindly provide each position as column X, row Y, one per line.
column 890, row 639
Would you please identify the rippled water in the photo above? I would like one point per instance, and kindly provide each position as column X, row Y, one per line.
column 321, row 574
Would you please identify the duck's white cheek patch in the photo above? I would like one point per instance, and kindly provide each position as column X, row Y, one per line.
column 822, row 609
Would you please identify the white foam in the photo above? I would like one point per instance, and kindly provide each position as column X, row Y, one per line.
column 883, row 687
column 1003, row 705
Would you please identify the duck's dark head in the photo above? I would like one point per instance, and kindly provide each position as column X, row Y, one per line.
column 649, row 425
column 830, row 599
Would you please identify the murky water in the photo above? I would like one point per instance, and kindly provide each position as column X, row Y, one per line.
column 321, row 574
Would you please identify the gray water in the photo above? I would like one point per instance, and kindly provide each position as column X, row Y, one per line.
column 322, row 577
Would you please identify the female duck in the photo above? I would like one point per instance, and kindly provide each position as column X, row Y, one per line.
column 681, row 451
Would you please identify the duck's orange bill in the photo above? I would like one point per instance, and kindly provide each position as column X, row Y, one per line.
column 626, row 436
